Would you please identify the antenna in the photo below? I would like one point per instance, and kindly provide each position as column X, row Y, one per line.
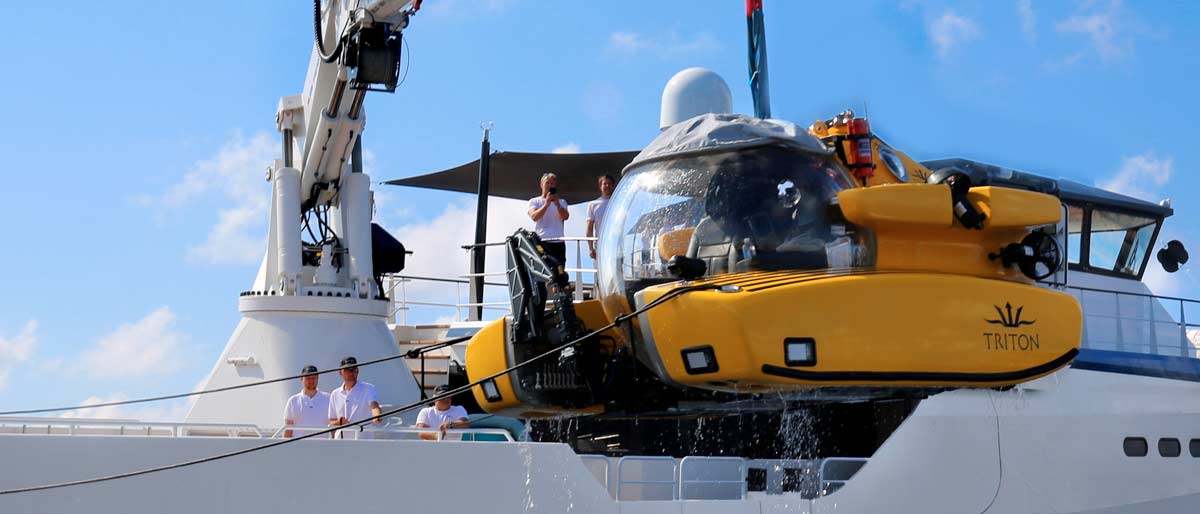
column 757, row 34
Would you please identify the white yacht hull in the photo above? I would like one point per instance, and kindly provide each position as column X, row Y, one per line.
column 1053, row 445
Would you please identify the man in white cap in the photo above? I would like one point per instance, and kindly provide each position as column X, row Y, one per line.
column 354, row 400
column 308, row 407
column 442, row 414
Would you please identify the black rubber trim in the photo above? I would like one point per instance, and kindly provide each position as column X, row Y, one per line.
column 920, row 376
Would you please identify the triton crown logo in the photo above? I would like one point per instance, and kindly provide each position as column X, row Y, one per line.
column 1009, row 320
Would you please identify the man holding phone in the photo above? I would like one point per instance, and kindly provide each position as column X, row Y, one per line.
column 549, row 212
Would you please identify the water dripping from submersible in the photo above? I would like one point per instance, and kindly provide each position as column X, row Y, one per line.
column 798, row 440
column 526, row 452
column 797, row 433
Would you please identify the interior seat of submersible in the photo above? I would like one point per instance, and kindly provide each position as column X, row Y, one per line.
column 736, row 203
column 732, row 195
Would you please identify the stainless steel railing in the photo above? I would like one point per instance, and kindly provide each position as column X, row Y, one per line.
column 396, row 286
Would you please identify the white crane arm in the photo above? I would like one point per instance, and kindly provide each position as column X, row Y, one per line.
column 356, row 49
column 329, row 117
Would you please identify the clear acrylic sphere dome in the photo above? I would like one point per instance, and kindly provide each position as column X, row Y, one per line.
column 765, row 208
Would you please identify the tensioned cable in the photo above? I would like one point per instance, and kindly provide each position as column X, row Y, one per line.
column 415, row 352
column 619, row 319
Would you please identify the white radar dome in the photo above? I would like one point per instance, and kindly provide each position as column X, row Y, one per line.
column 693, row 92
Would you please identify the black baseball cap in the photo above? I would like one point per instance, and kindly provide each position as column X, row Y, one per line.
column 308, row 370
column 349, row 361
column 441, row 389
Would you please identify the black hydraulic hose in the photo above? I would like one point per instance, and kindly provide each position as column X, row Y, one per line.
column 620, row 319
column 229, row 388
column 417, row 352
column 337, row 51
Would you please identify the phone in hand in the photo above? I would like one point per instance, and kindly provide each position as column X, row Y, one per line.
column 554, row 190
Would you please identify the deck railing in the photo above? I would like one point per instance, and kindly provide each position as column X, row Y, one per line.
column 835, row 472
column 127, row 427
column 402, row 432
column 1137, row 322
column 118, row 427
column 396, row 286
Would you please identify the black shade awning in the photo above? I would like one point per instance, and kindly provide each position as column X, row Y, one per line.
column 516, row 174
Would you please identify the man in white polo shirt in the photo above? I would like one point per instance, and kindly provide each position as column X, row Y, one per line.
column 308, row 407
column 354, row 400
column 548, row 213
column 442, row 414
column 596, row 209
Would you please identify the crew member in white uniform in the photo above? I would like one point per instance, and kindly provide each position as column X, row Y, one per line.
column 307, row 408
column 596, row 209
column 354, row 400
column 442, row 414
column 548, row 213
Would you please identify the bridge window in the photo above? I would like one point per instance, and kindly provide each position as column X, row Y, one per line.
column 1109, row 241
column 1075, row 215
column 1120, row 241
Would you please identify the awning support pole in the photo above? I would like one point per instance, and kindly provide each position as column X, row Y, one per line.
column 478, row 252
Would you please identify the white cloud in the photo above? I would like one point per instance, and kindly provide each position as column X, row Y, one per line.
column 16, row 350
column 570, row 147
column 149, row 346
column 1141, row 176
column 1028, row 18
column 233, row 239
column 950, row 31
column 665, row 46
column 236, row 178
column 1103, row 28
column 168, row 411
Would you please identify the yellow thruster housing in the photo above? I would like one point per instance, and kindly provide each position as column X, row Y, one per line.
column 490, row 351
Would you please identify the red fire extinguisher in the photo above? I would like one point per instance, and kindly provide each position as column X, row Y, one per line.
column 861, row 156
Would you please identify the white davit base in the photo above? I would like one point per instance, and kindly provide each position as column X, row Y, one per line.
column 285, row 333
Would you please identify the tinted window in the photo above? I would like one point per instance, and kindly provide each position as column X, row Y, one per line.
column 1074, row 232
column 1168, row 447
column 1194, row 447
column 1136, row 447
column 1119, row 241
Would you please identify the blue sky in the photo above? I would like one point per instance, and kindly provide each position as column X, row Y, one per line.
column 137, row 138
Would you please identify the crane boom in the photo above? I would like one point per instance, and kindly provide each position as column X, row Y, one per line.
column 356, row 49
column 332, row 117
